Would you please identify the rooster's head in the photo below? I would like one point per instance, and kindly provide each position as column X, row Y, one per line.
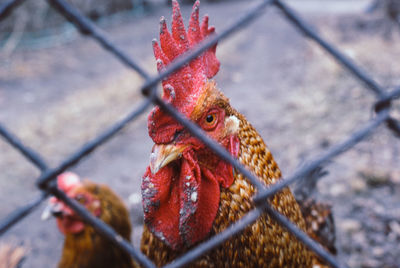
column 181, row 187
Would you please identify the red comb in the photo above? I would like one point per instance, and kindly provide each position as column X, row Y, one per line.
column 182, row 88
column 67, row 181
column 177, row 43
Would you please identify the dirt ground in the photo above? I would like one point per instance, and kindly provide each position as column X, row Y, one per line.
column 297, row 97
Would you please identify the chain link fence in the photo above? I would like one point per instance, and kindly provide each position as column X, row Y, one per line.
column 46, row 181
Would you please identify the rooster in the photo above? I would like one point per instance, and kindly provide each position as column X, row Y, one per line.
column 188, row 192
column 83, row 247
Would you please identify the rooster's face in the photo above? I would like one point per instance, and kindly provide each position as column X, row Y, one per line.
column 181, row 187
column 211, row 117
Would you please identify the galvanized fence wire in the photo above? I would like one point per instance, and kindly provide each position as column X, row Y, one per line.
column 46, row 181
column 7, row 7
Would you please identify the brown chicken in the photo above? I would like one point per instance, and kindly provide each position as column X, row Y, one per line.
column 189, row 193
column 83, row 247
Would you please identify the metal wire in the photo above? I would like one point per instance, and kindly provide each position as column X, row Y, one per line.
column 89, row 147
column 8, row 7
column 303, row 237
column 46, row 180
column 31, row 155
column 328, row 155
column 89, row 28
column 21, row 213
column 336, row 54
column 385, row 101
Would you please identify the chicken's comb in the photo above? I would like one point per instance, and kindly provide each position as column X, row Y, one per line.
column 67, row 181
column 183, row 88
column 190, row 78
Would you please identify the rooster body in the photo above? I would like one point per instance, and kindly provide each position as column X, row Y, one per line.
column 264, row 243
column 83, row 246
column 188, row 192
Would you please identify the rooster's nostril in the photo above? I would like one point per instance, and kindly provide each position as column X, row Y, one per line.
column 177, row 134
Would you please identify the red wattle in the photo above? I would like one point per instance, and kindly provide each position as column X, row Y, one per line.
column 181, row 200
column 199, row 201
column 160, row 198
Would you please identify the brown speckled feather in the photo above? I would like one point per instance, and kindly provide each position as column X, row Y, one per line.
column 263, row 244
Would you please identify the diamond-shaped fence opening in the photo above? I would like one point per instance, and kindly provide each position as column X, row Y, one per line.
column 46, row 184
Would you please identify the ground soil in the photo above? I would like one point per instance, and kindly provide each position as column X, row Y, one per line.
column 298, row 98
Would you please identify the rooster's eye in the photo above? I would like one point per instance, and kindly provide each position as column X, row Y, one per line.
column 210, row 119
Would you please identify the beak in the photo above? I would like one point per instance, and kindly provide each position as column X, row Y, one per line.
column 163, row 154
column 54, row 209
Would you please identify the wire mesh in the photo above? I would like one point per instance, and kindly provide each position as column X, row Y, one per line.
column 46, row 182
column 7, row 7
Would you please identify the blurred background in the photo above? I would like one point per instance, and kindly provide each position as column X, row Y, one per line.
column 59, row 89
